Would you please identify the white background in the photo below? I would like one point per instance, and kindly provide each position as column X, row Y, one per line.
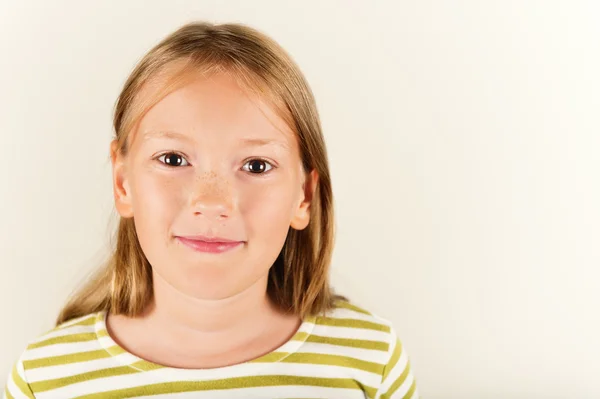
column 463, row 140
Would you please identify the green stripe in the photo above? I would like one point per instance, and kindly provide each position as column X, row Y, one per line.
column 347, row 305
column 272, row 357
column 300, row 336
column 144, row 365
column 103, row 332
column 323, row 359
column 229, row 383
column 64, row 339
column 411, row 391
column 7, row 393
column 72, row 358
column 89, row 320
column 393, row 359
column 334, row 360
column 22, row 385
column 47, row 385
column 353, row 323
column 350, row 342
column 399, row 381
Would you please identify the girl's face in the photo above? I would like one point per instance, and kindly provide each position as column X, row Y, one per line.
column 209, row 161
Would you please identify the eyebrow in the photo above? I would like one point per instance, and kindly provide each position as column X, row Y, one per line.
column 247, row 141
column 166, row 135
column 263, row 142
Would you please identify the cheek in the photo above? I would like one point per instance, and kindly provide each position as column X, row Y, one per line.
column 155, row 202
column 268, row 208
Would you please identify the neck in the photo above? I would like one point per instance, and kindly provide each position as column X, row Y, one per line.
column 246, row 311
column 181, row 331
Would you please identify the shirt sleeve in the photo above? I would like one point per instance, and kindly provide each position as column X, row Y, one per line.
column 17, row 386
column 397, row 381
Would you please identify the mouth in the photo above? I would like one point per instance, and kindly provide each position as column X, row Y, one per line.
column 215, row 245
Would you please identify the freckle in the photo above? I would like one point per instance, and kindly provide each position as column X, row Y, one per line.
column 212, row 181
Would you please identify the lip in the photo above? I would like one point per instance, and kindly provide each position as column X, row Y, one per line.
column 208, row 239
column 209, row 244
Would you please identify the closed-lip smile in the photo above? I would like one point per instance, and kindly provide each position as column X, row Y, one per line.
column 207, row 244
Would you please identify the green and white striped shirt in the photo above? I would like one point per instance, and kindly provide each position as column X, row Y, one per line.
column 347, row 353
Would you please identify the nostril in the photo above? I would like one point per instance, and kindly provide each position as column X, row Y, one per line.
column 217, row 212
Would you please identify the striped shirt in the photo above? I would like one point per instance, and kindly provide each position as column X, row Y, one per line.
column 347, row 353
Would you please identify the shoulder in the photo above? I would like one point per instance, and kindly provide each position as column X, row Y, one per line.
column 57, row 346
column 374, row 341
column 350, row 325
column 358, row 321
column 81, row 329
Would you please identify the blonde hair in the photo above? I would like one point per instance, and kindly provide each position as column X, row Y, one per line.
column 299, row 278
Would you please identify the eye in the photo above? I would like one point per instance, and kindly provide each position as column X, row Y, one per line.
column 173, row 159
column 257, row 166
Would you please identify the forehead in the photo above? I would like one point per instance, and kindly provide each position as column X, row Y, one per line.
column 215, row 106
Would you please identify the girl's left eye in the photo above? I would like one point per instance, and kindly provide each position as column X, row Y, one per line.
column 173, row 159
column 257, row 166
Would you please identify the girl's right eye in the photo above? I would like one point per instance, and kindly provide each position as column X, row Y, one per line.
column 173, row 159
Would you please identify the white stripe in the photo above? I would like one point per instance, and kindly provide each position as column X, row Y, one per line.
column 351, row 332
column 287, row 369
column 14, row 389
column 21, row 370
column 65, row 349
column 403, row 389
column 395, row 372
column 343, row 313
column 64, row 332
column 70, row 369
column 77, row 320
column 415, row 394
column 353, row 318
column 306, row 327
column 368, row 355
column 275, row 392
column 241, row 370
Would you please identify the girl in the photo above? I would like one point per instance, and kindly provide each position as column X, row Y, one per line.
column 218, row 287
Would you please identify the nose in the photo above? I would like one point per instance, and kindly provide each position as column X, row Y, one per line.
column 212, row 197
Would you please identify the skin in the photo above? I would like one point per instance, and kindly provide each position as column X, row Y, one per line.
column 210, row 310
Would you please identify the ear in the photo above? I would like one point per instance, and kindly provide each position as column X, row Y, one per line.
column 302, row 212
column 121, row 190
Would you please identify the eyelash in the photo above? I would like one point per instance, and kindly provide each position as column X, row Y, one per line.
column 251, row 159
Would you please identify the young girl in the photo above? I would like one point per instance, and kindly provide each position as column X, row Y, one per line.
column 218, row 287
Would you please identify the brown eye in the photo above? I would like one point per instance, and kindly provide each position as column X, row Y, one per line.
column 258, row 166
column 173, row 159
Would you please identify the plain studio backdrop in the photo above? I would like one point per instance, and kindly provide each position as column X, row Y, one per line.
column 463, row 139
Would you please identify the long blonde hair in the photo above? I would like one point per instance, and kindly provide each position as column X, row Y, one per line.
column 299, row 278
